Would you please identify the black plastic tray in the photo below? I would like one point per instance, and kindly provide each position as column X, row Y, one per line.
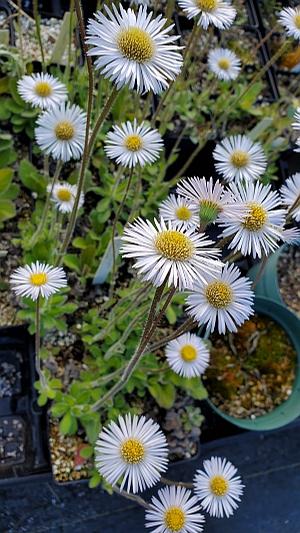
column 24, row 451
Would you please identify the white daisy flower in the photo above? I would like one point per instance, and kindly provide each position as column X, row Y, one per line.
column 296, row 117
column 214, row 201
column 289, row 17
column 290, row 193
column 60, row 132
column 134, row 49
column 238, row 157
column 63, row 195
column 218, row 487
column 224, row 64
column 187, row 355
column 219, row 13
column 42, row 90
column 135, row 450
column 260, row 229
column 37, row 279
column 223, row 303
column 165, row 252
column 174, row 511
column 131, row 144
column 180, row 211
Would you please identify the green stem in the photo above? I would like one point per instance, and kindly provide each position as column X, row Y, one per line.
column 133, row 362
column 38, row 31
column 38, row 344
column 42, row 223
column 114, row 227
column 85, row 159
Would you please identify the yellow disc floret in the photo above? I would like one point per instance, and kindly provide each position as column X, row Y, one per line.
column 224, row 63
column 64, row 195
column 219, row 486
column 183, row 213
column 64, row 131
column 132, row 451
column 188, row 353
column 133, row 143
column 136, row 44
column 174, row 519
column 219, row 294
column 256, row 218
column 174, row 245
column 207, row 5
column 239, row 158
column 43, row 89
column 297, row 20
column 38, row 279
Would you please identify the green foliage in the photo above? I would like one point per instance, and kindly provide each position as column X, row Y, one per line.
column 31, row 178
column 53, row 312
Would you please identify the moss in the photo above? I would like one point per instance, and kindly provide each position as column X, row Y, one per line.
column 254, row 368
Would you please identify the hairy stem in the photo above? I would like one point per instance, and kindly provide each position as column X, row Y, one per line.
column 132, row 497
column 38, row 31
column 38, row 344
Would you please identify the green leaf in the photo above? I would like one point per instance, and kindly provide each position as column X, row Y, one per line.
column 31, row 178
column 251, row 96
column 86, row 452
column 7, row 210
column 68, row 424
column 42, row 399
column 6, row 175
column 163, row 394
column 59, row 409
column 171, row 315
column 72, row 261
column 95, row 481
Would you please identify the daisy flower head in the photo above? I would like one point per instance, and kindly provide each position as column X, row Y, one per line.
column 218, row 487
column 289, row 18
column 134, row 49
column 224, row 64
column 164, row 252
column 214, row 202
column 180, row 211
column 38, row 279
column 237, row 157
column 134, row 449
column 174, row 510
column 60, row 132
column 187, row 355
column 42, row 90
column 223, row 303
column 219, row 13
column 131, row 145
column 63, row 195
column 290, row 195
column 259, row 230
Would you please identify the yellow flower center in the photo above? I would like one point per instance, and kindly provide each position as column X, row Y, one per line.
column 256, row 217
column 218, row 294
column 64, row 131
column 224, row 63
column 136, row 44
column 132, row 451
column 207, row 5
column 133, row 143
column 188, row 353
column 183, row 213
column 38, row 279
column 64, row 195
column 239, row 159
column 174, row 519
column 174, row 245
column 297, row 20
column 43, row 89
column 219, row 485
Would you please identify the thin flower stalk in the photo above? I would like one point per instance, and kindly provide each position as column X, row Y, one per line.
column 38, row 344
column 38, row 31
column 43, row 220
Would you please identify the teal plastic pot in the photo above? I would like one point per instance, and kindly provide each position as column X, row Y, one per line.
column 290, row 409
column 268, row 285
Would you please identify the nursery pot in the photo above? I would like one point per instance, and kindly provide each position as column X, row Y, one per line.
column 290, row 409
column 268, row 285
